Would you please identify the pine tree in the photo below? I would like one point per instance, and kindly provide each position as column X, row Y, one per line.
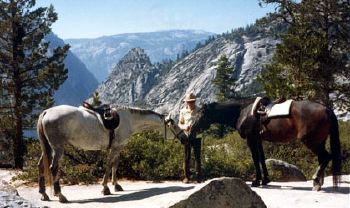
column 313, row 59
column 30, row 72
column 96, row 101
column 224, row 79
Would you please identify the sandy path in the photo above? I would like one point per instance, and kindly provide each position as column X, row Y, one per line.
column 148, row 194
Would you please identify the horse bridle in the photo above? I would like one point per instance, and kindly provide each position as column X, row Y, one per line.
column 171, row 129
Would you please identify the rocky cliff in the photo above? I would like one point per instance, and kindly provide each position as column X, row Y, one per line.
column 136, row 81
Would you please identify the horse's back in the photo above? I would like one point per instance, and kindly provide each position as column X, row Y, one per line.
column 312, row 119
column 68, row 124
column 306, row 118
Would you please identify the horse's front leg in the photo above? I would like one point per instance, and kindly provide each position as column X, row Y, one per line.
column 117, row 187
column 266, row 179
column 253, row 146
column 105, row 190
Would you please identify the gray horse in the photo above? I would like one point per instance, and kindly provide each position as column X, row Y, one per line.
column 83, row 129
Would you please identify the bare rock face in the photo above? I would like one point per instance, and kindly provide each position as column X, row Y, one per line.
column 136, row 81
column 287, row 171
column 130, row 80
column 222, row 193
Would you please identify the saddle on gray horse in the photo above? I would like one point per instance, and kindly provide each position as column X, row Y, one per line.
column 110, row 118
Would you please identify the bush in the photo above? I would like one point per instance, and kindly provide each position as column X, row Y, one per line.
column 148, row 156
column 228, row 156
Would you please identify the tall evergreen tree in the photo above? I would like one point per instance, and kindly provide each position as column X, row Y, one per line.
column 30, row 72
column 224, row 79
column 313, row 59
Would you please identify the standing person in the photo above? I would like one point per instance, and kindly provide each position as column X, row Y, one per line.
column 186, row 118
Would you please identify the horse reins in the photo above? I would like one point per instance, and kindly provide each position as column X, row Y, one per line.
column 176, row 134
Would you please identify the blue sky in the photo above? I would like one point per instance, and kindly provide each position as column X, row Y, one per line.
column 93, row 18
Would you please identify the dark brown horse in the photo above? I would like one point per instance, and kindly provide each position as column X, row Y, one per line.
column 309, row 122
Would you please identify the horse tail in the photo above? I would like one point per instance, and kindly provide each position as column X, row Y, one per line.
column 335, row 148
column 45, row 148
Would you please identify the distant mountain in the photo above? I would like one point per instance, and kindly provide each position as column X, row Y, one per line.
column 135, row 81
column 130, row 80
column 101, row 54
column 80, row 82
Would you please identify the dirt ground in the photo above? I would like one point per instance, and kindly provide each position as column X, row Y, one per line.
column 165, row 194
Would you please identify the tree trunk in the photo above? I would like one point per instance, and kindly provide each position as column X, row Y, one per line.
column 18, row 145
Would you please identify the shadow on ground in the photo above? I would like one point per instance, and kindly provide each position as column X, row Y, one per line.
column 328, row 189
column 139, row 195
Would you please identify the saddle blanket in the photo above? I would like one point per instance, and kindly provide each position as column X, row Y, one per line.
column 281, row 109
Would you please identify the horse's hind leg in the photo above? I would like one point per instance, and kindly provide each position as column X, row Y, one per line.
column 57, row 154
column 110, row 158
column 323, row 159
column 117, row 187
column 42, row 190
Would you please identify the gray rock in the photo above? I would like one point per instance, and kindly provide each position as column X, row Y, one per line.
column 9, row 197
column 6, row 187
column 288, row 172
column 222, row 193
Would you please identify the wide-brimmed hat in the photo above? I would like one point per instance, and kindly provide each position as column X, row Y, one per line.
column 190, row 97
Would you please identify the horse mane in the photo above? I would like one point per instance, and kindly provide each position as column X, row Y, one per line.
column 140, row 111
column 242, row 102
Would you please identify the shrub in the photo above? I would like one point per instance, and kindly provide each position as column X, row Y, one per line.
column 228, row 156
column 148, row 156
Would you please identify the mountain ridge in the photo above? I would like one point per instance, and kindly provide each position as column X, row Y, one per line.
column 101, row 54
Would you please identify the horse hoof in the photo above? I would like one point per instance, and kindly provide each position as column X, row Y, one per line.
column 45, row 197
column 62, row 198
column 256, row 183
column 316, row 188
column 265, row 181
column 185, row 180
column 106, row 191
column 118, row 187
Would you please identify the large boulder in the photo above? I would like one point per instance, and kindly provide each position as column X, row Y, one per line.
column 287, row 172
column 9, row 197
column 221, row 193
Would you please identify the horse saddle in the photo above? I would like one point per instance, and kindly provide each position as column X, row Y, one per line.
column 110, row 117
column 267, row 109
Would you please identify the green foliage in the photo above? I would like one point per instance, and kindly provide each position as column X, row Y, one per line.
column 148, row 156
column 312, row 60
column 29, row 75
column 228, row 156
column 224, row 79
column 96, row 99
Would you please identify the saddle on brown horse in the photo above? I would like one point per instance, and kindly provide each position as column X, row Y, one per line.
column 110, row 118
column 267, row 109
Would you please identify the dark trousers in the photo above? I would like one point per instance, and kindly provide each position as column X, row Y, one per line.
column 194, row 143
